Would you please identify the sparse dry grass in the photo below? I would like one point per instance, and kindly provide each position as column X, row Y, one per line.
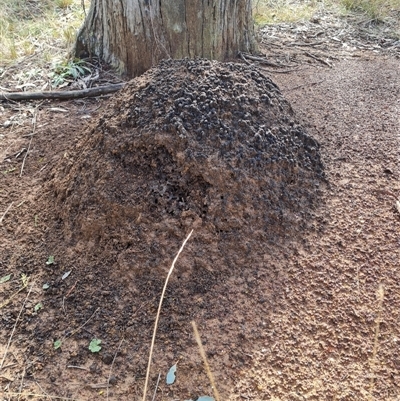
column 377, row 10
column 275, row 11
column 46, row 28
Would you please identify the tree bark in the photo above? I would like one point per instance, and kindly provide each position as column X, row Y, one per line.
column 133, row 35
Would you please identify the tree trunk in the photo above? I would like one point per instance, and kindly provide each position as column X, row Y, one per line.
column 134, row 35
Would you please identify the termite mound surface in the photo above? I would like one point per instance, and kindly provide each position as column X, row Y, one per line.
column 190, row 144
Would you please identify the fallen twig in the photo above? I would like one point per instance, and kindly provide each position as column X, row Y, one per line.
column 318, row 59
column 91, row 92
column 305, row 44
column 262, row 60
column 97, row 385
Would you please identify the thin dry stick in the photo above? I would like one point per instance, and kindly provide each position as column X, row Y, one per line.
column 83, row 325
column 53, row 397
column 68, row 293
column 155, row 390
column 112, row 365
column 4, row 214
column 15, row 325
column 77, row 367
column 158, row 315
column 207, row 366
column 41, row 388
column 20, row 387
column 6, row 388
column 318, row 59
column 12, row 296
column 381, row 294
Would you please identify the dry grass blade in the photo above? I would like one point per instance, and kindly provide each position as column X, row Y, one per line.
column 22, row 382
column 112, row 365
column 13, row 330
column 158, row 315
column 207, row 366
column 13, row 295
column 4, row 214
column 30, row 142
column 84, row 324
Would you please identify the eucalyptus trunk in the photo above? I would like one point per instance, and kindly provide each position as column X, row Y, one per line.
column 134, row 35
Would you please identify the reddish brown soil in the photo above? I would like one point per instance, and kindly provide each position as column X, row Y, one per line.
column 287, row 310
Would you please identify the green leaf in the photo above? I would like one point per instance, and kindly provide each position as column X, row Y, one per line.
column 46, row 286
column 58, row 81
column 57, row 344
column 38, row 307
column 171, row 375
column 50, row 260
column 74, row 73
column 5, row 278
column 80, row 70
column 94, row 345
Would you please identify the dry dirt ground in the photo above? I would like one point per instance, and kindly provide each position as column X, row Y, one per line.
column 306, row 307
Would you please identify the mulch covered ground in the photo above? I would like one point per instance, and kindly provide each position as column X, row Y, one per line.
column 295, row 232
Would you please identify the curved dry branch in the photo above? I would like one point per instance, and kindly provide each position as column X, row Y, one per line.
column 90, row 92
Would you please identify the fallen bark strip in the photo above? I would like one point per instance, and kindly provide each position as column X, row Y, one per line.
column 90, row 92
